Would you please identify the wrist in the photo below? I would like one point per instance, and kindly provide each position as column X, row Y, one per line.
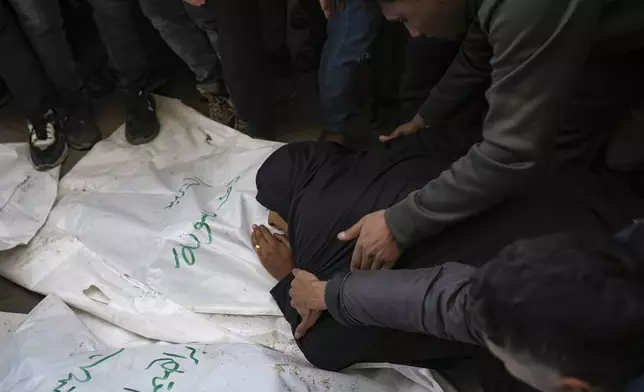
column 418, row 120
column 318, row 302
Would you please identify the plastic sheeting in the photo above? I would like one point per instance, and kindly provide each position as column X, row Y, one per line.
column 154, row 240
column 146, row 237
column 26, row 195
column 52, row 350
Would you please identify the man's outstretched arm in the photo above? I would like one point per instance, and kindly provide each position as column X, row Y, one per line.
column 431, row 301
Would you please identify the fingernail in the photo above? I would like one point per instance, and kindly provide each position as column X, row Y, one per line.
column 341, row 236
column 298, row 335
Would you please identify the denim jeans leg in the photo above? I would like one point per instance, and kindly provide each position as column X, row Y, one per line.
column 205, row 18
column 20, row 70
column 43, row 24
column 117, row 26
column 350, row 33
column 185, row 38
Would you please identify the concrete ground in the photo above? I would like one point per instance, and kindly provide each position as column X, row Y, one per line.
column 297, row 120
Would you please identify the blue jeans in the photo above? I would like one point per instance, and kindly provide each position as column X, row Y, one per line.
column 350, row 33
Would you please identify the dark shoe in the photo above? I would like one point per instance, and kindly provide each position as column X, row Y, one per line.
column 46, row 144
column 220, row 108
column 141, row 124
column 241, row 125
column 81, row 131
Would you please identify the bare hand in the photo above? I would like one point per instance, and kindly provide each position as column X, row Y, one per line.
column 330, row 7
column 307, row 297
column 196, row 3
column 309, row 318
column 273, row 250
column 376, row 247
column 405, row 129
column 307, row 291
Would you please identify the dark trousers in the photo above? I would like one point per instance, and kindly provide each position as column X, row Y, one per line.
column 43, row 24
column 20, row 69
column 117, row 25
column 172, row 18
column 236, row 27
column 608, row 88
column 426, row 60
column 350, row 33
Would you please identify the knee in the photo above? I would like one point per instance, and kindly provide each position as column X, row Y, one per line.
column 323, row 361
column 323, row 355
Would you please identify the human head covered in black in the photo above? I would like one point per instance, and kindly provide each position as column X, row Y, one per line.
column 566, row 312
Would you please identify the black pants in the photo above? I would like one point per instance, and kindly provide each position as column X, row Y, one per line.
column 117, row 24
column 426, row 60
column 242, row 55
column 43, row 24
column 20, row 69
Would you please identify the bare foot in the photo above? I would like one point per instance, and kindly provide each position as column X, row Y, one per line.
column 274, row 251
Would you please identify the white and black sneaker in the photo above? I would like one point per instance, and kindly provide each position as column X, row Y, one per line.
column 47, row 145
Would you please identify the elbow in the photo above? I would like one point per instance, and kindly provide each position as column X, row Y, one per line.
column 525, row 159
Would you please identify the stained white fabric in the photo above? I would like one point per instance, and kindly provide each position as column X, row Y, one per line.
column 151, row 243
column 26, row 195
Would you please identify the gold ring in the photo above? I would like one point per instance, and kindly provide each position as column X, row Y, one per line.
column 256, row 247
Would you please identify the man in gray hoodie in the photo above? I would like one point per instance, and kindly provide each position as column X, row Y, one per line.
column 562, row 312
column 561, row 73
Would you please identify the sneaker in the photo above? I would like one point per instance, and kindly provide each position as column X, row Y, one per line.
column 220, row 109
column 141, row 124
column 46, row 144
column 241, row 125
column 81, row 131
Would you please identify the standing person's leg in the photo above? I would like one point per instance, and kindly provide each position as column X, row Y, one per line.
column 185, row 38
column 220, row 106
column 174, row 22
column 43, row 24
column 426, row 60
column 273, row 15
column 350, row 33
column 118, row 28
column 606, row 90
column 30, row 89
column 243, row 60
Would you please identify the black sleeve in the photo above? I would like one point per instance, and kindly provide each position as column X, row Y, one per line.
column 432, row 301
column 468, row 74
column 539, row 50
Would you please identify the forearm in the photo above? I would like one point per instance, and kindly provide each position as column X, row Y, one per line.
column 430, row 301
column 474, row 183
